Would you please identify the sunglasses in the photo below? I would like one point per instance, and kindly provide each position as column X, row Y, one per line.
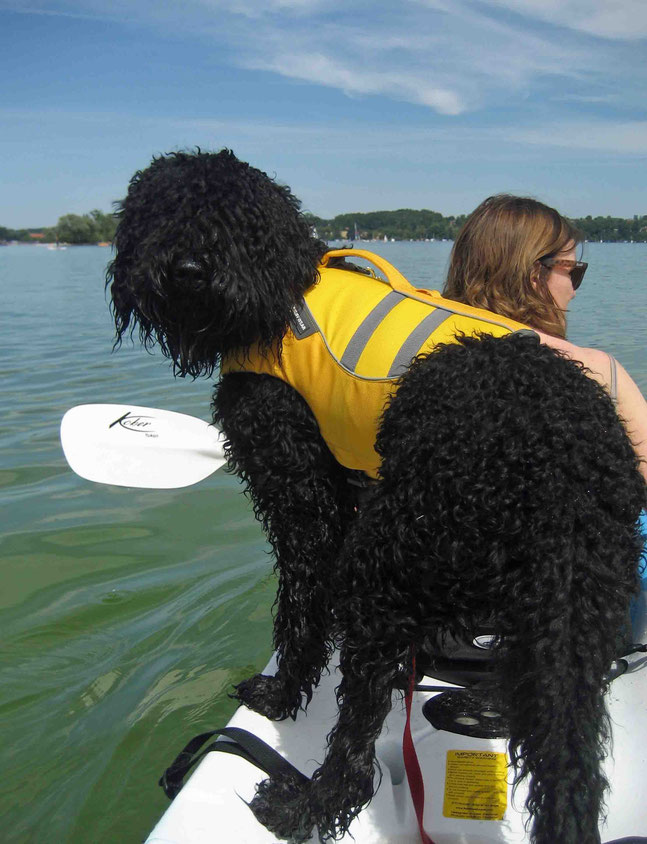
column 576, row 269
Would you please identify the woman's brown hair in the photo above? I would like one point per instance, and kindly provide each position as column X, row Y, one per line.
column 493, row 264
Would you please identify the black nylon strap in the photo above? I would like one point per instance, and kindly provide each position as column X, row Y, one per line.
column 243, row 743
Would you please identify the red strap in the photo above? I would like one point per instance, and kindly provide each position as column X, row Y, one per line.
column 411, row 764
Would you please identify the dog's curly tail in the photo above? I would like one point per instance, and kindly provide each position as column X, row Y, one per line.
column 554, row 654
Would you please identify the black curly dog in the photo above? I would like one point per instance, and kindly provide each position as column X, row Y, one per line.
column 211, row 256
column 508, row 490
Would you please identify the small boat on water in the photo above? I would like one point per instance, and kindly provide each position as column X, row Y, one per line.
column 467, row 794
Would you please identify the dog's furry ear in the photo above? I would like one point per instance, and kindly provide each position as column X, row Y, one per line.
column 211, row 257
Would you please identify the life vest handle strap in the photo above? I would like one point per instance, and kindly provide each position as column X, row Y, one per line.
column 394, row 276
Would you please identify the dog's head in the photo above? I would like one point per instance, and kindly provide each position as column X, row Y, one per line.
column 211, row 255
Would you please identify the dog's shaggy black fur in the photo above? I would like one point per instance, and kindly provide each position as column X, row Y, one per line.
column 508, row 489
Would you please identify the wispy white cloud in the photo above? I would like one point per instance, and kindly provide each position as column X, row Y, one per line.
column 595, row 99
column 278, row 5
column 614, row 19
column 452, row 60
column 450, row 56
column 619, row 138
column 624, row 138
column 56, row 11
column 354, row 80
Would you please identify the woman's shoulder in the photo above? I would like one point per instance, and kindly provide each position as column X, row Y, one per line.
column 597, row 361
column 631, row 404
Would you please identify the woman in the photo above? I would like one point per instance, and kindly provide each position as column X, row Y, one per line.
column 517, row 257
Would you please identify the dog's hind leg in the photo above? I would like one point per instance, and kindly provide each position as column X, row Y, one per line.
column 304, row 503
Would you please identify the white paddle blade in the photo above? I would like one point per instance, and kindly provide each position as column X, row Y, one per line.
column 140, row 447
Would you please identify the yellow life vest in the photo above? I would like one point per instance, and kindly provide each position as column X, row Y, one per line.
column 351, row 339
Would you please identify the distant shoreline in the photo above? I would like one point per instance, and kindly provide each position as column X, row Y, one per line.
column 47, row 244
column 340, row 243
column 404, row 224
column 409, row 224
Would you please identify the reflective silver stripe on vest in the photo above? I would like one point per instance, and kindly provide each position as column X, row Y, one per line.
column 613, row 386
column 367, row 327
column 414, row 341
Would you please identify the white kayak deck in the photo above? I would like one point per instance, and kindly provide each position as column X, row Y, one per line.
column 211, row 807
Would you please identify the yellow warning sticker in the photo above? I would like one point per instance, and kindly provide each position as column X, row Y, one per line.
column 475, row 785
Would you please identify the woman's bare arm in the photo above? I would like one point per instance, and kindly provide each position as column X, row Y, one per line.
column 632, row 407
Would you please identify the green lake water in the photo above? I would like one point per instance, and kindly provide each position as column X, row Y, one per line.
column 126, row 615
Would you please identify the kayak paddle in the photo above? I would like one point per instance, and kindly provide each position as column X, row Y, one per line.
column 140, row 447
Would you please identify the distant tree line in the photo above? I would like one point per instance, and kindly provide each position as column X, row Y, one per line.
column 404, row 224
column 95, row 227
column 407, row 224
column 614, row 229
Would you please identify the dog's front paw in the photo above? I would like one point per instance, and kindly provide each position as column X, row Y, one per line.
column 268, row 696
column 282, row 805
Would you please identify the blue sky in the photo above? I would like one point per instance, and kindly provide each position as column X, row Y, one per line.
column 357, row 106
